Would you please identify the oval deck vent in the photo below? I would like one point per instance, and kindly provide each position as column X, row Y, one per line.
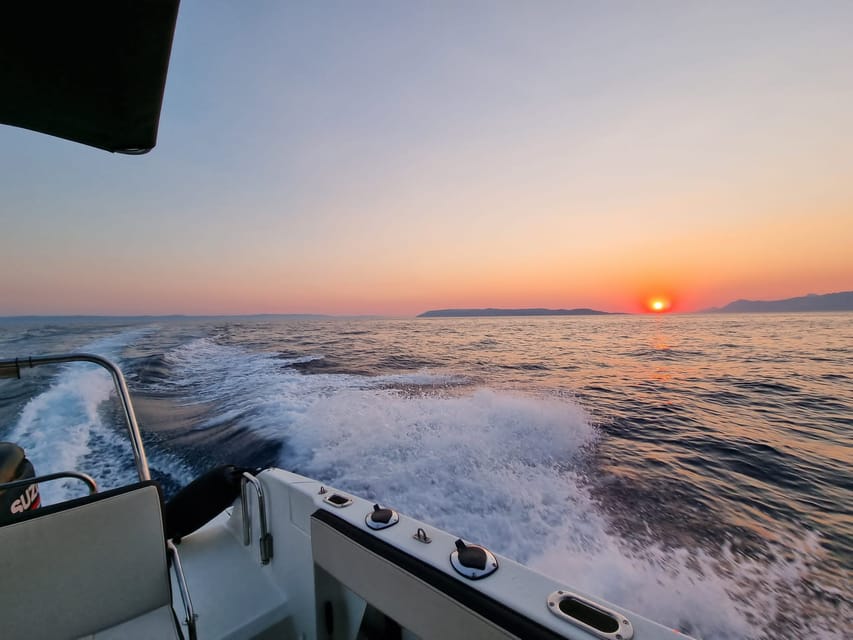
column 590, row 616
column 381, row 518
column 473, row 561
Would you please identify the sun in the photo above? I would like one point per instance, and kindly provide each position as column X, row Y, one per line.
column 659, row 305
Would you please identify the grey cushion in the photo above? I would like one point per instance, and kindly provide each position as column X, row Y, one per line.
column 96, row 564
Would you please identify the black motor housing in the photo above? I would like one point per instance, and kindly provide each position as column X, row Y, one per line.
column 15, row 466
column 202, row 500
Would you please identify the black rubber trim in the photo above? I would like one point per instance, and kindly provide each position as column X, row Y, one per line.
column 467, row 595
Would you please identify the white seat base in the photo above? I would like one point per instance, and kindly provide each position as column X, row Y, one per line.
column 158, row 623
column 233, row 595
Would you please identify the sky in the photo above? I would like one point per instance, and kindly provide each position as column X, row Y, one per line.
column 393, row 157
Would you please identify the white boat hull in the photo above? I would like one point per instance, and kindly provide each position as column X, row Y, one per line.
column 328, row 567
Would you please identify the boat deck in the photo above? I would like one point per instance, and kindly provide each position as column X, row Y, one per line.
column 234, row 597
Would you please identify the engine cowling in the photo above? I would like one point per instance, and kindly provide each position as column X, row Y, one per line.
column 14, row 465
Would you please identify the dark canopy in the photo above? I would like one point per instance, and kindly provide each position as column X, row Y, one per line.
column 91, row 71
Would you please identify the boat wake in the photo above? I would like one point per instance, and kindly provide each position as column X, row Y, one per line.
column 502, row 469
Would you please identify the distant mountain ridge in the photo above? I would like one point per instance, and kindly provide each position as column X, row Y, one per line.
column 841, row 301
column 476, row 313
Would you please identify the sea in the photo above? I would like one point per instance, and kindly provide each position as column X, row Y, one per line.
column 696, row 469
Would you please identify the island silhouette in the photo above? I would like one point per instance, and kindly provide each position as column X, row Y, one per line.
column 840, row 301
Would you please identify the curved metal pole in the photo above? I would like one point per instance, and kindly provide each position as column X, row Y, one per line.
column 185, row 592
column 76, row 475
column 12, row 369
column 265, row 541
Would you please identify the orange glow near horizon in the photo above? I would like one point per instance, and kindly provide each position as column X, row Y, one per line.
column 659, row 305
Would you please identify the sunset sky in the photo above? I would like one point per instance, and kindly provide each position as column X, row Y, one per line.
column 394, row 157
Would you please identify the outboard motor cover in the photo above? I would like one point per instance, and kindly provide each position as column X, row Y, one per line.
column 202, row 500
column 15, row 466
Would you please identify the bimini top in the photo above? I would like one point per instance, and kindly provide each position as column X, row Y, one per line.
column 91, row 71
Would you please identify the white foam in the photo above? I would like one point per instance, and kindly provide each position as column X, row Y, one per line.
column 719, row 596
column 473, row 465
column 55, row 427
column 424, row 378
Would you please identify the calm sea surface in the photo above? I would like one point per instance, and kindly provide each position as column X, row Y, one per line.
column 695, row 469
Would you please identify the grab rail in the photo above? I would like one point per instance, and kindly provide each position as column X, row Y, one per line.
column 84, row 477
column 12, row 369
column 185, row 592
column 265, row 541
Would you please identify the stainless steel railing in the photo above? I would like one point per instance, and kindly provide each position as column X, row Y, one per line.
column 76, row 475
column 265, row 541
column 191, row 615
column 12, row 369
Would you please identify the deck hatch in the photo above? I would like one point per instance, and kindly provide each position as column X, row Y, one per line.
column 337, row 500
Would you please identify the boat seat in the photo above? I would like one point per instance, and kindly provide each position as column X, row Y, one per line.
column 95, row 567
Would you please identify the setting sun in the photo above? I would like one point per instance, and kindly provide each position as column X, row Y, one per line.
column 659, row 305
